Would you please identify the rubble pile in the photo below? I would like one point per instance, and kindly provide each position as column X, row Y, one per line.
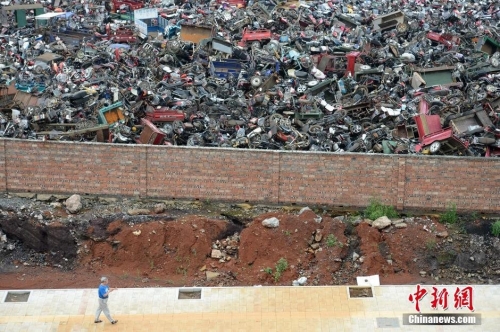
column 393, row 77
column 4, row 242
column 226, row 249
column 314, row 242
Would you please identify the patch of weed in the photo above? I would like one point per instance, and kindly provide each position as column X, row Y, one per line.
column 352, row 218
column 281, row 266
column 450, row 216
column 376, row 210
column 430, row 245
column 445, row 258
column 181, row 270
column 495, row 228
column 331, row 241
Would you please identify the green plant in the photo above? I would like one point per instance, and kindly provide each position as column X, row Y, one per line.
column 495, row 228
column 352, row 218
column 409, row 215
column 181, row 270
column 450, row 215
column 281, row 266
column 430, row 245
column 447, row 257
column 332, row 241
column 287, row 233
column 376, row 210
column 151, row 264
column 474, row 215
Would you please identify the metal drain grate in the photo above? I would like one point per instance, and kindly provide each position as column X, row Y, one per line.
column 386, row 322
column 360, row 292
column 20, row 296
column 189, row 294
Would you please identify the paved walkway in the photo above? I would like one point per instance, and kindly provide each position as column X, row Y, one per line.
column 251, row 309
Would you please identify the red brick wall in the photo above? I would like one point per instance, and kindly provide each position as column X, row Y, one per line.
column 406, row 182
column 471, row 183
column 341, row 180
column 213, row 174
column 66, row 167
column 3, row 171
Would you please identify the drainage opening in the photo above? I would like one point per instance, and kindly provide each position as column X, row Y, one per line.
column 357, row 292
column 387, row 322
column 189, row 294
column 20, row 296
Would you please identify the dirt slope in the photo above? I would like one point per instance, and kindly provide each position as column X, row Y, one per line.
column 198, row 244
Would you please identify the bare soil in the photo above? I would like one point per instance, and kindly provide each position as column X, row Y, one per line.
column 175, row 249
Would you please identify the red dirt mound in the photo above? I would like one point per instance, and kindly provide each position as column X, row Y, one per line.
column 178, row 253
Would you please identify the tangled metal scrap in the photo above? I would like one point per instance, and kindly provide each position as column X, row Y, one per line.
column 379, row 77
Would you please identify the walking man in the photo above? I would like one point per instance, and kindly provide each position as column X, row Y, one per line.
column 104, row 291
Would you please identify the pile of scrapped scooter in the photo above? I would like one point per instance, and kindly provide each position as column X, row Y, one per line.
column 393, row 77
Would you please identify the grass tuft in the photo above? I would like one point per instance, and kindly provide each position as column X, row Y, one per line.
column 376, row 210
column 450, row 216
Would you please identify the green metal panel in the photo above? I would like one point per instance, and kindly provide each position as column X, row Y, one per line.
column 389, row 146
column 39, row 11
column 21, row 18
column 437, row 78
column 101, row 118
column 490, row 46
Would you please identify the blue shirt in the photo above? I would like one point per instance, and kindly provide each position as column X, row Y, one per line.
column 103, row 289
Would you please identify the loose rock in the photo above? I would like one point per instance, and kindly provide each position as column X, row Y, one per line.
column 304, row 209
column 271, row 222
column 137, row 212
column 44, row 197
column 318, row 236
column 56, row 205
column 217, row 254
column 443, row 234
column 381, row 223
column 74, row 204
column 302, row 281
column 160, row 208
column 244, row 206
column 315, row 246
column 211, row 275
